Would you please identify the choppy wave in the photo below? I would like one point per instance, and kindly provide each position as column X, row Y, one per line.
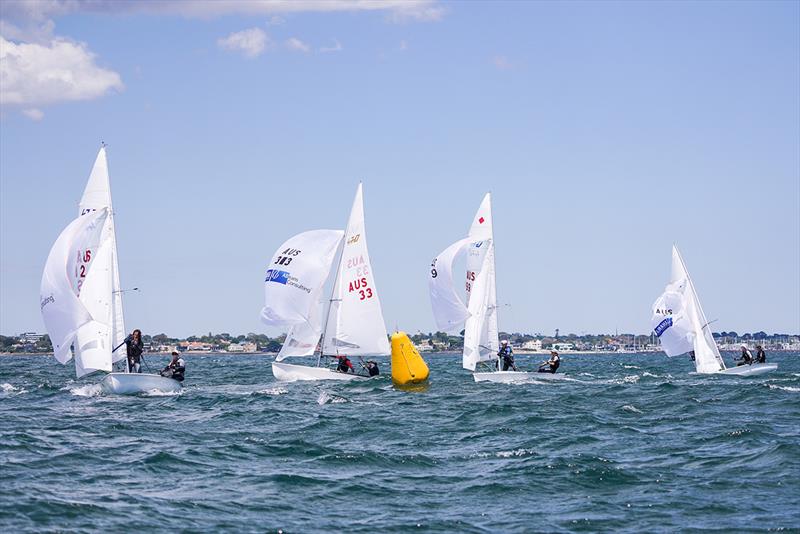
column 625, row 442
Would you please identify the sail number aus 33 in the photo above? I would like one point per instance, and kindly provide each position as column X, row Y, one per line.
column 360, row 286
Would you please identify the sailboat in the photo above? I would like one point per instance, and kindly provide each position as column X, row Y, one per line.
column 351, row 325
column 681, row 326
column 478, row 316
column 80, row 296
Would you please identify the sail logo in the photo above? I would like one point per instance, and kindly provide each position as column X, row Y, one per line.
column 354, row 239
column 662, row 326
column 47, row 300
column 274, row 275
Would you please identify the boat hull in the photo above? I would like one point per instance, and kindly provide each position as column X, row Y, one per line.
column 504, row 377
column 137, row 383
column 288, row 372
column 750, row 370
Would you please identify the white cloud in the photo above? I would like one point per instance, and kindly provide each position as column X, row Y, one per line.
column 33, row 114
column 337, row 47
column 251, row 42
column 502, row 63
column 399, row 10
column 297, row 45
column 36, row 74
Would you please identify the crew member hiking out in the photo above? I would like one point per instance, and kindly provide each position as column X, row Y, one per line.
column 507, row 356
column 176, row 368
column 746, row 359
column 134, row 346
column 372, row 368
column 345, row 365
column 551, row 365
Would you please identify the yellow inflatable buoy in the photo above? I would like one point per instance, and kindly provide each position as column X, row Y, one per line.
column 408, row 367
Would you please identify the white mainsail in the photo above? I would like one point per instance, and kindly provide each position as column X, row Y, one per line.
column 96, row 196
column 355, row 323
column 679, row 322
column 66, row 316
column 292, row 288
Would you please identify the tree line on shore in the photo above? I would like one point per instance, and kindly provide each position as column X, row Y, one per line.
column 25, row 343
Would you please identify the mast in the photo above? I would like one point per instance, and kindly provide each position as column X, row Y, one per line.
column 331, row 301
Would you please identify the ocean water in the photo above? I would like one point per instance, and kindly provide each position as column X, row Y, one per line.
column 629, row 443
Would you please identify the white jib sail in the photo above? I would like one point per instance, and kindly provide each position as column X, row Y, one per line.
column 680, row 324
column 480, row 330
column 96, row 196
column 62, row 311
column 449, row 310
column 355, row 323
column 93, row 342
column 293, row 286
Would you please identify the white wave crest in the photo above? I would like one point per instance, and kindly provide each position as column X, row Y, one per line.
column 327, row 398
column 784, row 388
column 271, row 391
column 159, row 393
column 631, row 408
column 87, row 390
column 11, row 389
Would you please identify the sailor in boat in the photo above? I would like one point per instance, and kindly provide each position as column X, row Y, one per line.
column 691, row 355
column 507, row 356
column 551, row 365
column 134, row 346
column 761, row 356
column 746, row 359
column 345, row 365
column 176, row 368
column 372, row 368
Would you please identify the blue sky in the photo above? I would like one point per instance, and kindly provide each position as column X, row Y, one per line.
column 605, row 131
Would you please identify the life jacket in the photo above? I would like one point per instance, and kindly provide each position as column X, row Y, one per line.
column 555, row 364
column 344, row 364
column 373, row 369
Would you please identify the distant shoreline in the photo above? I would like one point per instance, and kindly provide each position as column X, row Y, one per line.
column 517, row 353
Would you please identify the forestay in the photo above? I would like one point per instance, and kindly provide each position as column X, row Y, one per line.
column 355, row 323
column 65, row 315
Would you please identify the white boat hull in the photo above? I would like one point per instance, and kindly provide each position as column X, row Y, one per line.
column 137, row 383
column 288, row 372
column 750, row 370
column 504, row 377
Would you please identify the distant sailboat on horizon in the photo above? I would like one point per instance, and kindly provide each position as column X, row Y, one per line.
column 681, row 326
column 353, row 321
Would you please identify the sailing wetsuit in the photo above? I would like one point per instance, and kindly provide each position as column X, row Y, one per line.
column 507, row 355
column 344, row 365
column 556, row 361
column 134, row 354
column 372, row 367
column 175, row 370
